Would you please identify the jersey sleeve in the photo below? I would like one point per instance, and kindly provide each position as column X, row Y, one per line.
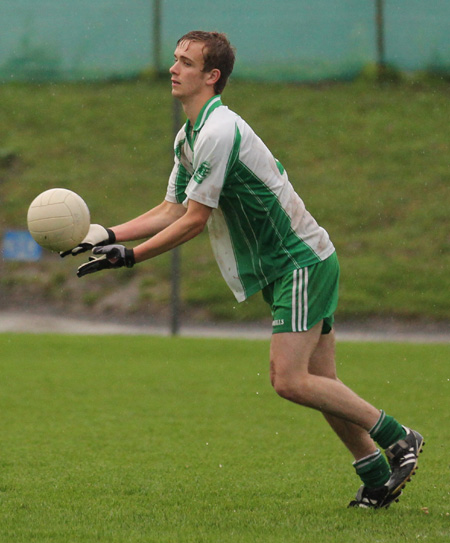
column 215, row 151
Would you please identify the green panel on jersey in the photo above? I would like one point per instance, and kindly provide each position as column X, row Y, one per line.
column 234, row 155
column 264, row 242
column 181, row 183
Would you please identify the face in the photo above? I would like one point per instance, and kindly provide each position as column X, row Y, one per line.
column 187, row 77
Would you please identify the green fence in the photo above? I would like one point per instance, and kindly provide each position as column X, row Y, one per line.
column 295, row 40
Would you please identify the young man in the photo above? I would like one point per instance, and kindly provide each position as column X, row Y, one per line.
column 264, row 240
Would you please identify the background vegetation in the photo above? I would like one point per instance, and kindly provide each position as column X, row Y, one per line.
column 370, row 161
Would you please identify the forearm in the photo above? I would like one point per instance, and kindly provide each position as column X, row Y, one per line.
column 118, row 256
column 174, row 235
column 150, row 223
column 186, row 227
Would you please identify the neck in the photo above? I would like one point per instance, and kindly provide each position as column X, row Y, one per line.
column 193, row 105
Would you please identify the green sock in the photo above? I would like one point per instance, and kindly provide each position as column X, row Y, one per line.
column 373, row 470
column 387, row 431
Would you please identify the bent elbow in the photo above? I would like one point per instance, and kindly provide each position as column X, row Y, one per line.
column 199, row 226
column 197, row 217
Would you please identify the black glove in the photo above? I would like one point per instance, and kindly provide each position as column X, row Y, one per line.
column 97, row 236
column 113, row 256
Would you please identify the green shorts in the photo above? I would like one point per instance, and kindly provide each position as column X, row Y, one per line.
column 304, row 297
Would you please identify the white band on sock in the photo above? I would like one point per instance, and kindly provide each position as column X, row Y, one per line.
column 379, row 422
column 367, row 459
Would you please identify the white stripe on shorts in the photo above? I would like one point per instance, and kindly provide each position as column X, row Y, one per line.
column 294, row 300
column 305, row 299
column 300, row 300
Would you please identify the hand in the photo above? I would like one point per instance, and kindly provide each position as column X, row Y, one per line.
column 113, row 256
column 97, row 236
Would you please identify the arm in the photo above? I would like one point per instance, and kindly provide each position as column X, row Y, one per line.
column 186, row 227
column 144, row 226
column 150, row 223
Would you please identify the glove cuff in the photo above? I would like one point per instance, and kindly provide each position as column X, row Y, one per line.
column 112, row 236
column 130, row 260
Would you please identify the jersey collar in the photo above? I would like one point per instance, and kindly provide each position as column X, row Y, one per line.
column 205, row 112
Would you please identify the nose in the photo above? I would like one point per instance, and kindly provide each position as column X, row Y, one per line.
column 173, row 68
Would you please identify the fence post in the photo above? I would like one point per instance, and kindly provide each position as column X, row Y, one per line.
column 381, row 60
column 176, row 253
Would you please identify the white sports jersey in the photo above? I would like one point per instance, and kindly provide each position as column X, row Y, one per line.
column 259, row 227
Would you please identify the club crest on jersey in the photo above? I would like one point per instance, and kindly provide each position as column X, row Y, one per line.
column 202, row 172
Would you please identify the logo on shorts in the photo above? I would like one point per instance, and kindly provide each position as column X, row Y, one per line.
column 278, row 322
column 202, row 172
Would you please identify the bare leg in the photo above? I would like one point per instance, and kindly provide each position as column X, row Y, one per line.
column 355, row 438
column 291, row 354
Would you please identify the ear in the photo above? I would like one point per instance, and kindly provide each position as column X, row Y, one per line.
column 213, row 76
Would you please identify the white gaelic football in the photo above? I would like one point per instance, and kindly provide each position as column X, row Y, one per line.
column 58, row 219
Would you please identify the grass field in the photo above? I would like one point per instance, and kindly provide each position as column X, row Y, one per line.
column 119, row 439
column 371, row 163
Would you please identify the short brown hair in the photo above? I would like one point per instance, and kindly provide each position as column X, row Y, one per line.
column 217, row 53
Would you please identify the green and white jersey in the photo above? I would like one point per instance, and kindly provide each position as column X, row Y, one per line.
column 259, row 227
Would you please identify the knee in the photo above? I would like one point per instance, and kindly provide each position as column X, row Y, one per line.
column 283, row 388
column 291, row 386
column 279, row 380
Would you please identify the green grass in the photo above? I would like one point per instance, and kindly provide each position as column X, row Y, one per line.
column 371, row 163
column 119, row 439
